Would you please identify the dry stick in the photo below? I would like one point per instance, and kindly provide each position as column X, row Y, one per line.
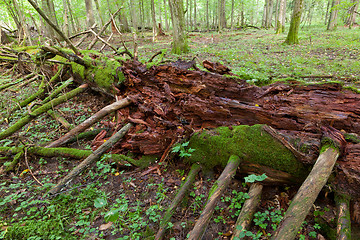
column 306, row 195
column 195, row 168
column 104, row 41
column 91, row 45
column 91, row 159
column 88, row 122
column 43, row 15
column 28, row 118
column 216, row 191
column 107, row 40
column 343, row 228
column 121, row 39
column 248, row 210
column 71, row 153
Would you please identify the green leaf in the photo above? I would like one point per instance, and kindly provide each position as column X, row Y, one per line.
column 100, row 202
column 112, row 215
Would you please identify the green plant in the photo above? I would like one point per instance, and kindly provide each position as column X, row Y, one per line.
column 183, row 150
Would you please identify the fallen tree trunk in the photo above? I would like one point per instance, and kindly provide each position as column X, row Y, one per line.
column 177, row 200
column 343, row 228
column 248, row 210
column 215, row 193
column 306, row 195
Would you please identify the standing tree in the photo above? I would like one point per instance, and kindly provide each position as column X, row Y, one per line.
column 179, row 43
column 280, row 17
column 292, row 37
column 267, row 16
column 352, row 13
column 90, row 20
column 333, row 15
column 221, row 14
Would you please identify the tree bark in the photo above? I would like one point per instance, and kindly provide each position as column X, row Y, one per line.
column 306, row 195
column 90, row 19
column 292, row 37
column 215, row 193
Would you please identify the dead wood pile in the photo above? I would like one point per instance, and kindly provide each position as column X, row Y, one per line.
column 173, row 102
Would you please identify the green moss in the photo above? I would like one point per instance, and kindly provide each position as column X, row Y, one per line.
column 250, row 143
column 146, row 160
column 328, row 143
column 350, row 137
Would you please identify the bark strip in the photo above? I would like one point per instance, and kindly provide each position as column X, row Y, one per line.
column 216, row 191
column 306, row 195
column 88, row 122
column 177, row 200
column 248, row 210
column 90, row 159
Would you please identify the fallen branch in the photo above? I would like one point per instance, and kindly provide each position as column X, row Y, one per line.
column 91, row 45
column 37, row 112
column 104, row 41
column 343, row 228
column 90, row 159
column 306, row 195
column 88, row 122
column 195, row 168
column 216, row 191
column 248, row 210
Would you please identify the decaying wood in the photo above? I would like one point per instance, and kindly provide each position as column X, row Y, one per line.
column 248, row 209
column 90, row 159
column 37, row 112
column 306, row 195
column 177, row 200
column 343, row 228
column 215, row 193
column 90, row 121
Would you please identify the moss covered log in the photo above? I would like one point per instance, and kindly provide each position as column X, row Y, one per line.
column 251, row 143
column 66, row 153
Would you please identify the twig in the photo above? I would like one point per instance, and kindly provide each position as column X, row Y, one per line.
column 107, row 40
column 27, row 164
column 121, row 39
column 104, row 41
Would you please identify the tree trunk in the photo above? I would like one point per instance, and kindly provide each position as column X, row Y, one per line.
column 179, row 43
column 207, row 15
column 332, row 24
column 99, row 12
column 352, row 13
column 232, row 15
column 221, row 14
column 292, row 37
column 155, row 30
column 280, row 25
column 166, row 16
column 90, row 19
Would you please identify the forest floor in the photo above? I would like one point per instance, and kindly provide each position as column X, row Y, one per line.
column 117, row 202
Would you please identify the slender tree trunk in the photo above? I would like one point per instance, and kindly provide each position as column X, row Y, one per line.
column 221, row 14
column 179, row 43
column 352, row 13
column 327, row 12
column 166, row 16
column 280, row 25
column 269, row 13
column 232, row 15
column 153, row 18
column 292, row 37
column 90, row 20
column 72, row 20
column 195, row 12
column 99, row 12
column 332, row 24
column 207, row 15
column 48, row 10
